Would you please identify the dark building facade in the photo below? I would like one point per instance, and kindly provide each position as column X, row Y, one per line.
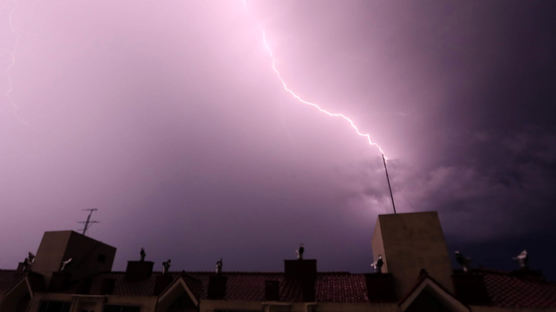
column 416, row 276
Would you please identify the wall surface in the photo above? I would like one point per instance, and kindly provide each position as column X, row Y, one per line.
column 94, row 303
column 51, row 253
column 88, row 256
column 410, row 242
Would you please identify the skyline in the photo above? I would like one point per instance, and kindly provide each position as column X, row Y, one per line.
column 169, row 117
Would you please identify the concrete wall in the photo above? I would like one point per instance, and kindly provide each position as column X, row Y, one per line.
column 51, row 253
column 357, row 307
column 148, row 304
column 94, row 303
column 89, row 255
column 410, row 242
column 212, row 305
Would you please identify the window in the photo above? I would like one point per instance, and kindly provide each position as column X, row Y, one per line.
column 54, row 306
column 120, row 308
column 101, row 258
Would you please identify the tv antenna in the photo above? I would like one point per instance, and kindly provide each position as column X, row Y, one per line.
column 389, row 186
column 88, row 222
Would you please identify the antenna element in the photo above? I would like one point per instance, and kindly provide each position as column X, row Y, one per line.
column 88, row 221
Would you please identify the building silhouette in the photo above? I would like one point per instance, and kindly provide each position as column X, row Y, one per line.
column 72, row 273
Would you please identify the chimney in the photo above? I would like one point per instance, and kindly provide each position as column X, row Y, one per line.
column 138, row 270
column 88, row 255
column 409, row 242
column 272, row 290
column 303, row 272
column 217, row 287
column 301, row 269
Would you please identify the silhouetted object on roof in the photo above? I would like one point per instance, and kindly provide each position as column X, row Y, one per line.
column 25, row 265
column 219, row 264
column 401, row 241
column 88, row 222
column 143, row 254
column 166, row 266
column 27, row 262
column 522, row 259
column 65, row 264
column 462, row 260
column 300, row 252
column 377, row 265
column 31, row 257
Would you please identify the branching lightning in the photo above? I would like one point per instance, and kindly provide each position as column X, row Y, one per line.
column 314, row 105
column 274, row 63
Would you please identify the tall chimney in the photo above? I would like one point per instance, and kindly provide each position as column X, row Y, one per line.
column 410, row 242
column 88, row 256
column 304, row 272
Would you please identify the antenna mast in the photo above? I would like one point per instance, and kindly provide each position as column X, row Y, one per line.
column 88, row 221
column 389, row 186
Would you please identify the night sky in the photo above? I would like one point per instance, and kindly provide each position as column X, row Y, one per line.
column 168, row 118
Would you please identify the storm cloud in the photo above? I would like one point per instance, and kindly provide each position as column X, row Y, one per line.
column 167, row 117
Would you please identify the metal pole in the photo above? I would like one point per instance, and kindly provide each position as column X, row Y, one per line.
column 87, row 222
column 389, row 186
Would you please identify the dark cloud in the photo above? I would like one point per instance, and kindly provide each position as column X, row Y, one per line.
column 169, row 119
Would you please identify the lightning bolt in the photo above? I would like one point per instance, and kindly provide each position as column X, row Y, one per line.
column 11, row 64
column 353, row 125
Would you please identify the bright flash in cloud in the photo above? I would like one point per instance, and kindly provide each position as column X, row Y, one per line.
column 316, row 106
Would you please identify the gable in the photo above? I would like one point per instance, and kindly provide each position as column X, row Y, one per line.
column 430, row 296
column 427, row 300
column 177, row 297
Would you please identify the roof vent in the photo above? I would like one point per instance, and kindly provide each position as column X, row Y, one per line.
column 301, row 268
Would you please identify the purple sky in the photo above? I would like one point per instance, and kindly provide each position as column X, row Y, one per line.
column 166, row 116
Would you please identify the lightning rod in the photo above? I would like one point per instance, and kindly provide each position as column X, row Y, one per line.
column 389, row 186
